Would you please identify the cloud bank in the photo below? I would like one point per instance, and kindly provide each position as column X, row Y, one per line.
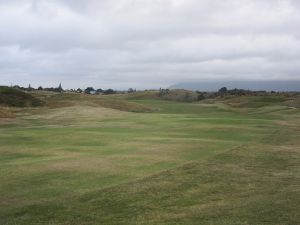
column 149, row 43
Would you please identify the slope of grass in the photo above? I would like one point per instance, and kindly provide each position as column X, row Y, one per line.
column 16, row 98
column 257, row 101
column 179, row 95
column 71, row 99
column 77, row 162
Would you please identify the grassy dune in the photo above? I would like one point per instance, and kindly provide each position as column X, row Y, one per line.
column 95, row 160
column 17, row 98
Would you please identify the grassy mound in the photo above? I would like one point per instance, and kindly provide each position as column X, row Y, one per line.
column 68, row 99
column 16, row 98
column 293, row 102
column 62, row 100
column 179, row 95
column 123, row 105
column 255, row 101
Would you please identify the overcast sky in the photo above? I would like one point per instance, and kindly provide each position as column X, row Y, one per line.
column 147, row 43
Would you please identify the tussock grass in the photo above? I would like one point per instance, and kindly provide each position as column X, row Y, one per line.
column 16, row 98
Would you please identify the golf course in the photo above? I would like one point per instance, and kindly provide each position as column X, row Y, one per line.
column 78, row 159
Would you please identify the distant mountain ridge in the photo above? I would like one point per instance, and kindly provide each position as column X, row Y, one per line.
column 279, row 85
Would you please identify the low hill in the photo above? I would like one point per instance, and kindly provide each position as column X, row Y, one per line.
column 291, row 100
column 179, row 95
column 280, row 85
column 17, row 98
column 71, row 99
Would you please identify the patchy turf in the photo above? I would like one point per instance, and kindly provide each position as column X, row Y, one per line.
column 90, row 160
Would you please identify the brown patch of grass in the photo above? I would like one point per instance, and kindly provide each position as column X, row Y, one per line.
column 6, row 113
column 67, row 100
column 122, row 105
column 293, row 103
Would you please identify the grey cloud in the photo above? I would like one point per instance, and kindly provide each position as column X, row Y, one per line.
column 121, row 43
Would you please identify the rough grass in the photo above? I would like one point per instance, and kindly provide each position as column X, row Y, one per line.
column 122, row 105
column 16, row 98
column 179, row 95
column 258, row 101
column 183, row 163
column 71, row 99
column 6, row 112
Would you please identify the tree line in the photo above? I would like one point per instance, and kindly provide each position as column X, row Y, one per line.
column 162, row 93
column 88, row 90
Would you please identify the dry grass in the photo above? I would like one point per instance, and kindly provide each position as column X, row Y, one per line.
column 6, row 112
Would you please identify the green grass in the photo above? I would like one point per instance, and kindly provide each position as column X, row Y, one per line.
column 76, row 162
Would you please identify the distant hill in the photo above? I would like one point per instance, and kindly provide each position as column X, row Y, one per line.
column 17, row 98
column 283, row 85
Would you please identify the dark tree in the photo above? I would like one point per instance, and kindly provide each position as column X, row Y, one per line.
column 130, row 90
column 109, row 92
column 222, row 91
column 99, row 91
column 88, row 90
column 238, row 92
column 163, row 92
column 40, row 88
